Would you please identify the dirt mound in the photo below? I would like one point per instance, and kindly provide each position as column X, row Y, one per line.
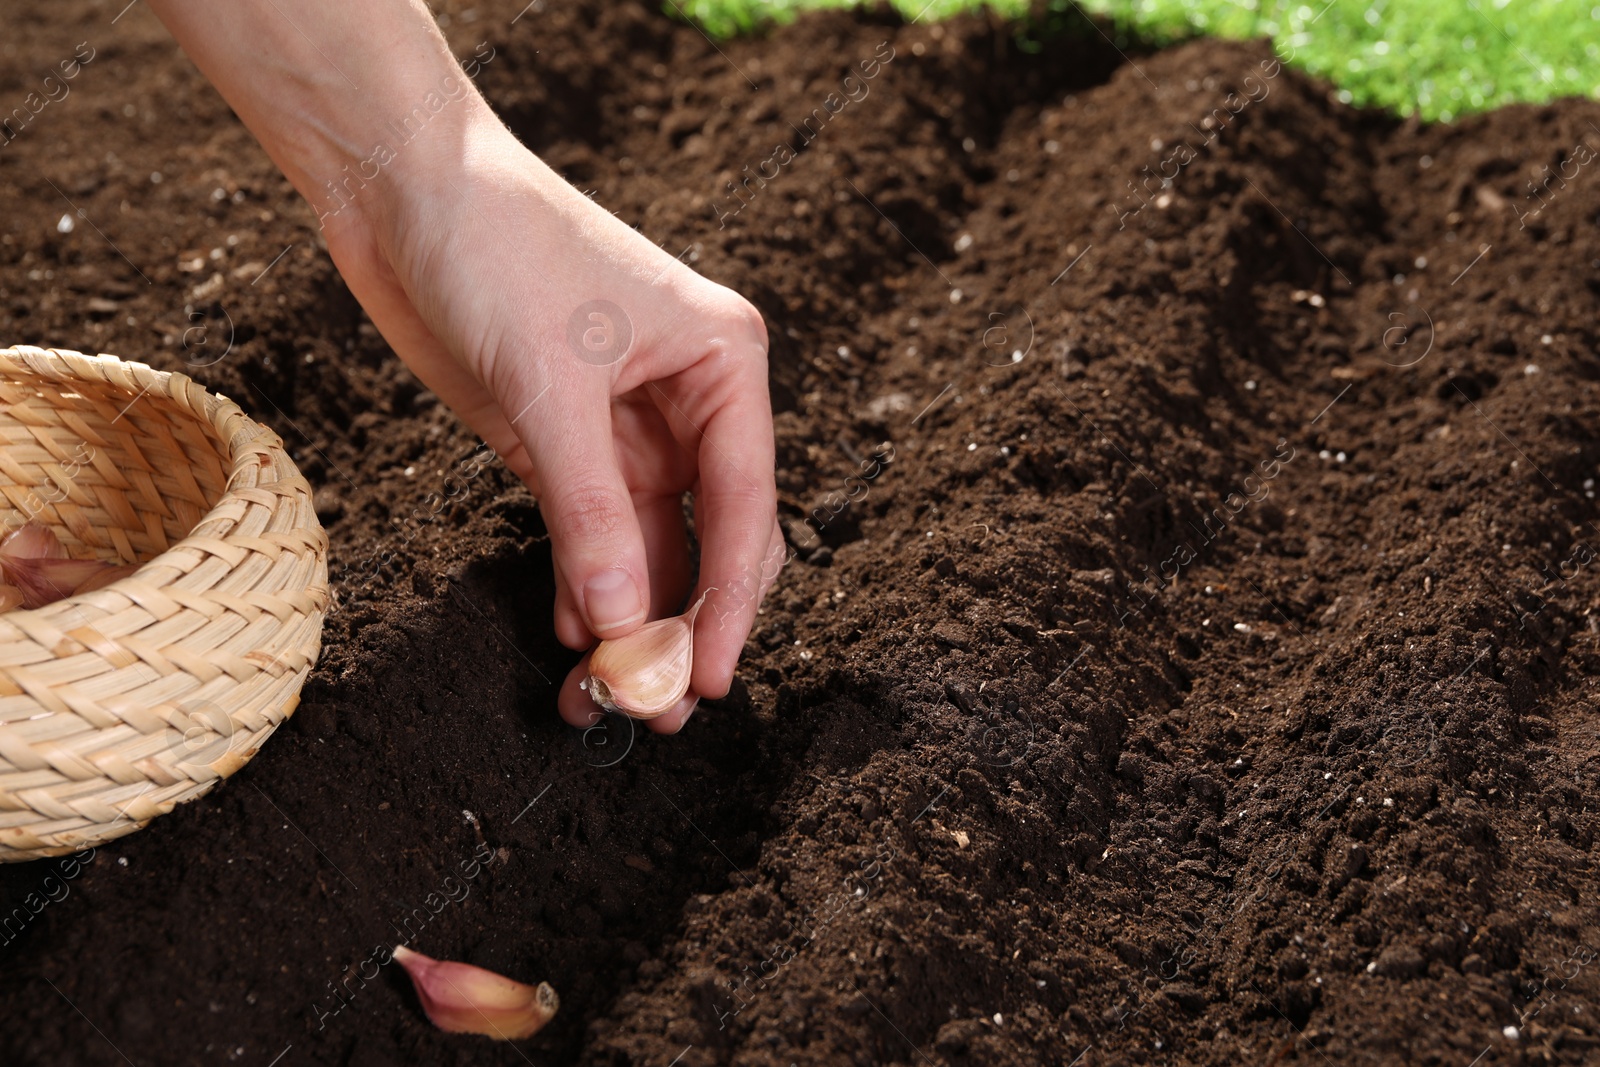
column 1187, row 655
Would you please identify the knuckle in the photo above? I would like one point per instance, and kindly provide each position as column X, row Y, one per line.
column 740, row 326
column 749, row 326
column 587, row 513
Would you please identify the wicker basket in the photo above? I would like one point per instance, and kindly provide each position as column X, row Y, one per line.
column 118, row 704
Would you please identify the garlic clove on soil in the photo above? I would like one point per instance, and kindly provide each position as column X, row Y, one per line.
column 646, row 673
column 462, row 999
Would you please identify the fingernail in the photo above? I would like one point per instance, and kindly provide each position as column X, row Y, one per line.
column 611, row 600
column 657, row 724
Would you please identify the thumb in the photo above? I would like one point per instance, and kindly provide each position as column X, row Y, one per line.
column 594, row 531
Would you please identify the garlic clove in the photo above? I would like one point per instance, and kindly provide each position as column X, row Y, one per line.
column 646, row 673
column 35, row 564
column 10, row 597
column 33, row 540
column 108, row 573
column 462, row 999
column 44, row 581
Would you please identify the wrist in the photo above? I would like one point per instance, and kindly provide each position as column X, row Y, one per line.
column 382, row 164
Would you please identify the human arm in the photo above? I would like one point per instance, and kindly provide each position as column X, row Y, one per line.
column 471, row 257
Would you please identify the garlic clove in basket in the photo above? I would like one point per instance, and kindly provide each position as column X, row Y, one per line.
column 647, row 672
column 33, row 540
column 462, row 999
column 108, row 573
column 36, row 566
column 44, row 581
column 10, row 597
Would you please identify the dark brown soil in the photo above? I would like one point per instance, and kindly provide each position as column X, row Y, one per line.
column 1214, row 683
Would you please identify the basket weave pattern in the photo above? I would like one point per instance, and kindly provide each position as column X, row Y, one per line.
column 119, row 704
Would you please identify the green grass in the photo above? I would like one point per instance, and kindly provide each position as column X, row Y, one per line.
column 1436, row 58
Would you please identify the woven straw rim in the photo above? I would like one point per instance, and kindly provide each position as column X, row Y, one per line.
column 226, row 615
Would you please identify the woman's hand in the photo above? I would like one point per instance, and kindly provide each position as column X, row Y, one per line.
column 608, row 376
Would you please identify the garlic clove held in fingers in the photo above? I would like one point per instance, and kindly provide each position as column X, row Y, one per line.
column 462, row 999
column 646, row 673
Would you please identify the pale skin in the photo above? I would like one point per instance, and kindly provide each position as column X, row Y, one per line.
column 470, row 255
